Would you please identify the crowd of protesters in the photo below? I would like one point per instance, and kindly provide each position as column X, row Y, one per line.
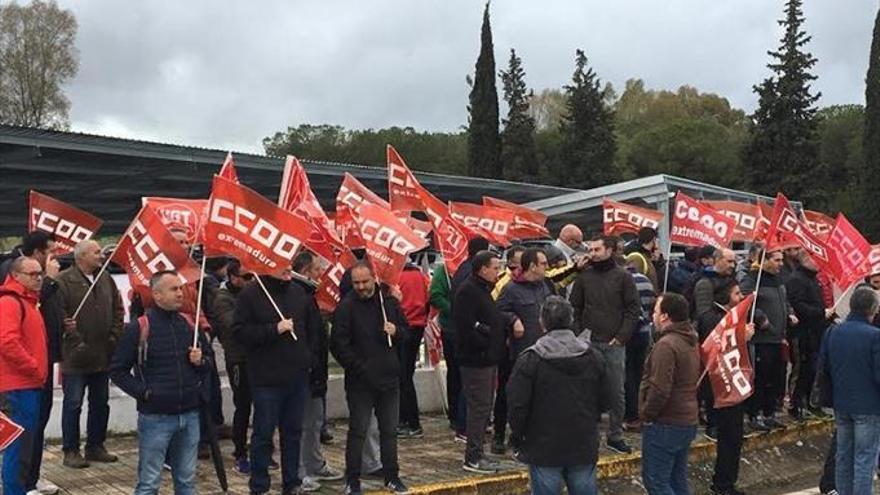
column 539, row 342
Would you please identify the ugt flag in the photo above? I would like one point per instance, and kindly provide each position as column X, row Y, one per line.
column 726, row 357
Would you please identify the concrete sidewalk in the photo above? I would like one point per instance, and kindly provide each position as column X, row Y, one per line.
column 431, row 464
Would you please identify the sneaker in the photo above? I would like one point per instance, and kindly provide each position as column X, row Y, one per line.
column 32, row 492
column 99, row 454
column 397, row 486
column 46, row 487
column 166, row 466
column 620, row 446
column 416, row 432
column 757, row 424
column 711, row 434
column 518, row 456
column 831, row 492
column 242, row 466
column 483, row 466
column 498, row 447
column 327, row 473
column 818, row 413
column 773, row 423
column 353, row 487
column 310, row 484
column 326, row 438
column 461, row 438
column 273, row 465
column 73, row 459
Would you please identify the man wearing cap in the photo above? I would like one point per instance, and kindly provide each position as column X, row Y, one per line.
column 643, row 250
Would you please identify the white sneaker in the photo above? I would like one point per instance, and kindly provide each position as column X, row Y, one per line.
column 46, row 487
column 310, row 485
column 33, row 492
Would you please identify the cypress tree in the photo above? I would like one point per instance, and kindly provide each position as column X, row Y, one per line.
column 519, row 155
column 588, row 142
column 484, row 142
column 783, row 153
column 868, row 213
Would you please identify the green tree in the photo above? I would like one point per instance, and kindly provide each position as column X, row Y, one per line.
column 484, row 141
column 547, row 109
column 518, row 151
column 840, row 129
column 868, row 212
column 37, row 57
column 783, row 153
column 588, row 143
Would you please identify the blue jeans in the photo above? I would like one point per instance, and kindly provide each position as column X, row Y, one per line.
column 580, row 480
column 23, row 408
column 665, row 458
column 174, row 435
column 74, row 386
column 858, row 444
column 283, row 408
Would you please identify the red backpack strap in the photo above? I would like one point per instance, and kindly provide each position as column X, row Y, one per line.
column 143, row 335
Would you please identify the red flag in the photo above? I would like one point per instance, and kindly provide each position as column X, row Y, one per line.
column 9, row 431
column 726, row 357
column 764, row 224
column 819, row 223
column 187, row 215
column 352, row 194
column 241, row 223
column 403, row 188
column 434, row 338
column 747, row 216
column 527, row 223
column 850, row 253
column 388, row 241
column 787, row 230
column 490, row 222
column 423, row 229
column 69, row 224
column 695, row 224
column 328, row 294
column 227, row 170
column 148, row 247
column 451, row 240
column 874, row 260
column 296, row 196
column 621, row 217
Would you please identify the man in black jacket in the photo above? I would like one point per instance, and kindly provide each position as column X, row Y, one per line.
column 558, row 381
column 367, row 327
column 606, row 303
column 167, row 383
column 805, row 298
column 480, row 335
column 279, row 354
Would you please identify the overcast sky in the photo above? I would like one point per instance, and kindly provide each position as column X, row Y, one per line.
column 225, row 74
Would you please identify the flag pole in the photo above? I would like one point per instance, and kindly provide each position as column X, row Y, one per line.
column 384, row 315
column 199, row 302
column 274, row 304
column 758, row 285
column 91, row 287
column 842, row 296
column 668, row 260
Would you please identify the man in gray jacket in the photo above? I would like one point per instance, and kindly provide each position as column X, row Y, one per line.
column 606, row 304
column 772, row 301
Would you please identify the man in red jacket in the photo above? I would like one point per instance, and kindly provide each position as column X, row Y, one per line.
column 414, row 302
column 23, row 366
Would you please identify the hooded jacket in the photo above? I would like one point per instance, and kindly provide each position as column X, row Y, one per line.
column 272, row 357
column 606, row 302
column 24, row 363
column 523, row 299
column 668, row 393
column 557, row 381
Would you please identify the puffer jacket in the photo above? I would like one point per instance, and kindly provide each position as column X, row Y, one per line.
column 24, row 363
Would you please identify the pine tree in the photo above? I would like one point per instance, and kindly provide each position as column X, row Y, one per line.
column 588, row 142
column 868, row 213
column 484, row 142
column 783, row 152
column 519, row 155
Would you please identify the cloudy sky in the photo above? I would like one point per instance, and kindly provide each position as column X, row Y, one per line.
column 224, row 74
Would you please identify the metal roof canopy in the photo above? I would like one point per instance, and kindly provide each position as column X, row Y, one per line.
column 655, row 191
column 108, row 176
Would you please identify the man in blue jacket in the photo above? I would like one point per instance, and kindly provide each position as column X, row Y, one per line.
column 167, row 383
column 851, row 357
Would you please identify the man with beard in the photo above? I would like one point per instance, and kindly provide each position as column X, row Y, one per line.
column 363, row 325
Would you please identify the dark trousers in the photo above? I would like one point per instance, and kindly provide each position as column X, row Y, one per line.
column 74, row 386
column 803, row 381
column 364, row 401
column 409, row 400
column 278, row 407
column 453, row 381
column 729, row 421
column 39, row 434
column 636, row 352
column 769, row 380
column 241, row 398
column 479, row 388
column 499, row 413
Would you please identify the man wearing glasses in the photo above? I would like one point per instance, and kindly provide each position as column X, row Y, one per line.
column 23, row 366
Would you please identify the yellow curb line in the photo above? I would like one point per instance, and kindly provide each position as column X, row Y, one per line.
column 618, row 466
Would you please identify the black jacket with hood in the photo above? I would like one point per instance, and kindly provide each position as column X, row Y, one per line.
column 557, row 381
